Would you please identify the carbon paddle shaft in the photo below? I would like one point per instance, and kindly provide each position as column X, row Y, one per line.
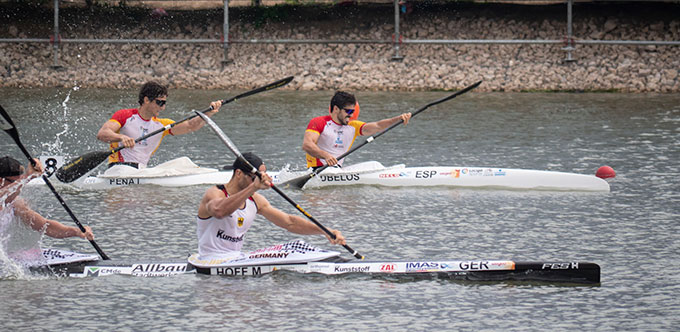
column 223, row 137
column 80, row 166
column 267, row 87
column 10, row 128
column 301, row 181
column 312, row 219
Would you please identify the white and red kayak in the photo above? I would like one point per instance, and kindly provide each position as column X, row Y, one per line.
column 182, row 172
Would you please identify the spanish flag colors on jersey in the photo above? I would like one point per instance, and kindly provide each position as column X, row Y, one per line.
column 132, row 125
column 334, row 138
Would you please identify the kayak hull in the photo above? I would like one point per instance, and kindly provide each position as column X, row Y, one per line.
column 374, row 173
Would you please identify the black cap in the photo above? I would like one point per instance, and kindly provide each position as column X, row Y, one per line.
column 9, row 167
column 251, row 158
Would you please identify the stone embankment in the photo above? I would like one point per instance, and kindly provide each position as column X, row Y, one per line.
column 516, row 67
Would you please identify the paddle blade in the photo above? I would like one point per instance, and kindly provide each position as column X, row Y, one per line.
column 5, row 121
column 299, row 181
column 80, row 166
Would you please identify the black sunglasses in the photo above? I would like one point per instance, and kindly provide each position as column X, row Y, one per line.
column 160, row 103
column 249, row 174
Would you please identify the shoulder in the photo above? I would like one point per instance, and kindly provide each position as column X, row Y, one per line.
column 261, row 202
column 320, row 119
column 127, row 112
column 318, row 123
column 356, row 124
column 164, row 121
column 122, row 115
column 212, row 193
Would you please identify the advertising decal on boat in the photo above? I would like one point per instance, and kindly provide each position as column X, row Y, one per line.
column 296, row 251
column 159, row 270
column 459, row 266
column 560, row 266
column 340, row 177
column 136, row 270
column 425, row 174
column 57, row 256
column 123, row 181
column 455, row 173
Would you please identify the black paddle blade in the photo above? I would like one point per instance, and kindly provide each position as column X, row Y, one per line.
column 8, row 126
column 299, row 181
column 5, row 121
column 80, row 166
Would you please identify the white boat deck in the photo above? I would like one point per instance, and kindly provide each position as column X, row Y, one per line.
column 367, row 173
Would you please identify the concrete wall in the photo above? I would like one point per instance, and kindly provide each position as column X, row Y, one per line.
column 351, row 66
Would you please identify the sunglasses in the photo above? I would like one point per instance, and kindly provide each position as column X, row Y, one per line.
column 160, row 103
column 349, row 111
column 250, row 175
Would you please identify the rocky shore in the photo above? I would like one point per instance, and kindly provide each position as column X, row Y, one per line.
column 517, row 67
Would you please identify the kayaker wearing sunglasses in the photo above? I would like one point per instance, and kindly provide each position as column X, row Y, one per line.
column 327, row 137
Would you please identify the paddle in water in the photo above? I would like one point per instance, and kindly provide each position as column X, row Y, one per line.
column 300, row 181
column 77, row 167
column 8, row 126
column 255, row 171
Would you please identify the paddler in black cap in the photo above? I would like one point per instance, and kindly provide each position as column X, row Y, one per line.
column 12, row 178
column 227, row 211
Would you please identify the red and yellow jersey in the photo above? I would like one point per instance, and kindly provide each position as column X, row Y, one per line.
column 133, row 125
column 334, row 138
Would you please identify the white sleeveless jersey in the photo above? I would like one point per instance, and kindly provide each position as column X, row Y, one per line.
column 219, row 236
column 16, row 241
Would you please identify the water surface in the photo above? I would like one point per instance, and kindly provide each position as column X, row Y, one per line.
column 630, row 232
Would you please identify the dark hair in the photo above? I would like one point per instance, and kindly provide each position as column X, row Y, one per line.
column 342, row 99
column 251, row 158
column 9, row 167
column 152, row 90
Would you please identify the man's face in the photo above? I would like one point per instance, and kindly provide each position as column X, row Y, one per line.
column 157, row 104
column 248, row 177
column 6, row 182
column 345, row 113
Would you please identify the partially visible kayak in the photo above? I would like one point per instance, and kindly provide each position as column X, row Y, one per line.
column 63, row 263
column 177, row 172
column 182, row 172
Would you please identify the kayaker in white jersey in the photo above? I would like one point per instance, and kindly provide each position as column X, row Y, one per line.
column 126, row 125
column 226, row 212
column 327, row 137
column 12, row 178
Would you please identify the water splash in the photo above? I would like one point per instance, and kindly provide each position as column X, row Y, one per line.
column 56, row 147
column 19, row 244
column 9, row 268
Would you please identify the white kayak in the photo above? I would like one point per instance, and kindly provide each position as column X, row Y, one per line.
column 374, row 173
column 182, row 172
